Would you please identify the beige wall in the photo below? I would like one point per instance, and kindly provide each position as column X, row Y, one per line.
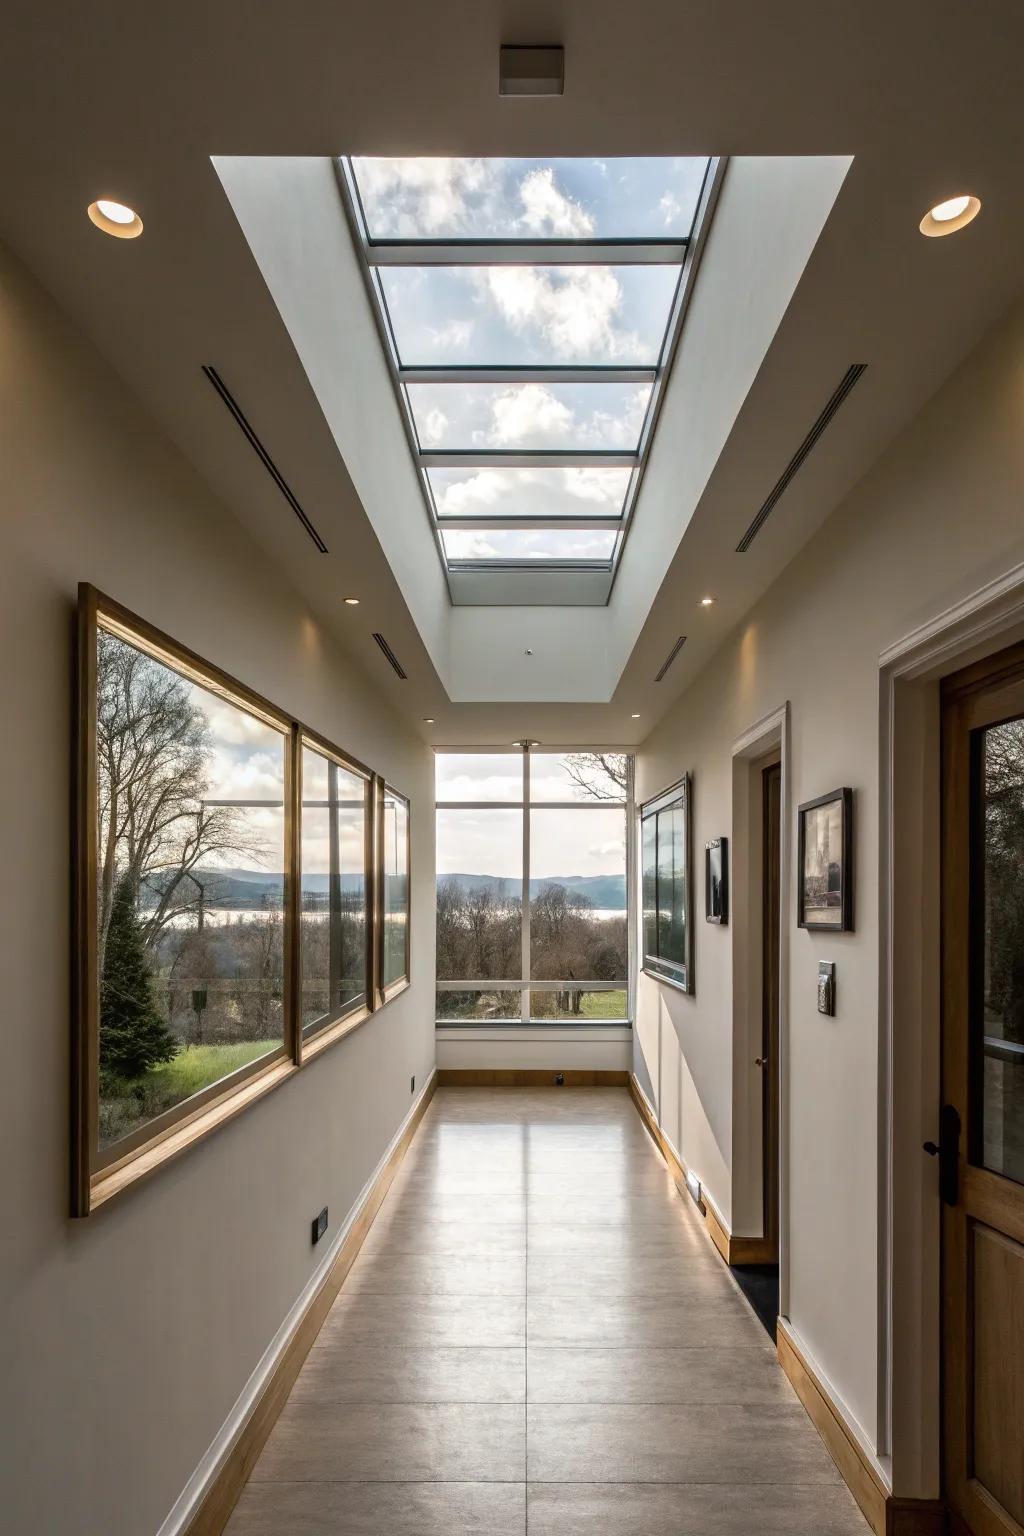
column 127, row 1337
column 940, row 514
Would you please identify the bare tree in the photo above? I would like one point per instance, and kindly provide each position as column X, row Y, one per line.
column 152, row 750
column 601, row 775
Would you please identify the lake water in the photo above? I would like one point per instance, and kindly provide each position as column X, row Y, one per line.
column 218, row 917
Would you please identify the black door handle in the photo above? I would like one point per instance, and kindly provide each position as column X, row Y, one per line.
column 948, row 1153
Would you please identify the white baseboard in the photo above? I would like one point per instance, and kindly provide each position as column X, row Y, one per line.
column 195, row 1490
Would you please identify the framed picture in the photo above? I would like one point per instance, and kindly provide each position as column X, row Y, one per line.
column 825, row 863
column 716, row 880
column 667, row 886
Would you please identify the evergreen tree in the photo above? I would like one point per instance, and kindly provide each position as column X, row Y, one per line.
column 133, row 1036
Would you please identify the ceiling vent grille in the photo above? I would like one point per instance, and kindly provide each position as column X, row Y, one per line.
column 846, row 383
column 670, row 658
column 393, row 660
column 262, row 454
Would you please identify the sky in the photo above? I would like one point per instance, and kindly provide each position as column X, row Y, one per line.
column 530, row 314
column 588, row 841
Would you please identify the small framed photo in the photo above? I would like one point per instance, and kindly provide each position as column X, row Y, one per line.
column 825, row 863
column 716, row 880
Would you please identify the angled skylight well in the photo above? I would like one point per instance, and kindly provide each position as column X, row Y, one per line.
column 529, row 310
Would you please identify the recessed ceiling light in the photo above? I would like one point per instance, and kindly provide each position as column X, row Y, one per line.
column 115, row 219
column 428, row 720
column 949, row 216
column 706, row 602
column 634, row 717
column 351, row 602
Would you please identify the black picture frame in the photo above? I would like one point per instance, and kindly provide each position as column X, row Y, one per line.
column 829, row 889
column 668, row 807
column 716, row 881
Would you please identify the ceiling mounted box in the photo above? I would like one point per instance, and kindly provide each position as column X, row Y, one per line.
column 531, row 72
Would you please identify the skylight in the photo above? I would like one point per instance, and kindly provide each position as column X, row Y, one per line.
column 529, row 311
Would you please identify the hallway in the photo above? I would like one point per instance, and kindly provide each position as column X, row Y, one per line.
column 538, row 1334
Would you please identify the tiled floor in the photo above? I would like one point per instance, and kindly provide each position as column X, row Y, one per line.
column 538, row 1336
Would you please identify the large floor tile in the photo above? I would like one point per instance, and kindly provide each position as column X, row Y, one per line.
column 440, row 1206
column 395, row 1442
column 380, row 1509
column 597, row 1206
column 663, row 1321
column 438, row 1274
column 638, row 1509
column 411, row 1234
column 587, row 1242
column 613, row 1443
column 365, row 1318
column 581, row 1375
column 661, row 1271
column 372, row 1373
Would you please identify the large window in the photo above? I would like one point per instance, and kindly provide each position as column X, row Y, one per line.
column 666, row 891
column 394, row 835
column 334, row 927
column 532, row 908
column 225, row 861
column 529, row 311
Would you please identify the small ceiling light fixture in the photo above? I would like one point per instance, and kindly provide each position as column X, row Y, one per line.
column 351, row 602
column 634, row 717
column 428, row 720
column 707, row 602
column 531, row 71
column 949, row 216
column 115, row 219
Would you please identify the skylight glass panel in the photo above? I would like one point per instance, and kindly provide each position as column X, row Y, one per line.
column 586, row 492
column 529, row 417
column 529, row 315
column 529, row 309
column 438, row 198
column 502, row 544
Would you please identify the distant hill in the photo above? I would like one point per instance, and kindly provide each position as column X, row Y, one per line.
column 245, row 889
column 608, row 891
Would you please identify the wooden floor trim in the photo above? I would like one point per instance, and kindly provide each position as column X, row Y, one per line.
column 886, row 1514
column 233, row 1472
column 529, row 1077
column 734, row 1250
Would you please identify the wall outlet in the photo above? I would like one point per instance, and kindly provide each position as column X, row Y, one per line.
column 412, row 1084
column 693, row 1185
column 319, row 1226
column 827, row 987
column 559, row 1079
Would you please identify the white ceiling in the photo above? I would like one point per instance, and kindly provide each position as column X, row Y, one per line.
column 131, row 102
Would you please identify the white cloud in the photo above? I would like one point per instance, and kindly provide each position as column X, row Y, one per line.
column 670, row 208
column 453, row 336
column 425, row 196
column 548, row 211
column 575, row 310
column 557, row 492
column 529, row 412
column 433, row 426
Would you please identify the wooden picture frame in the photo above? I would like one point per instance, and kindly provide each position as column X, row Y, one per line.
column 98, row 1174
column 716, row 881
column 825, row 892
column 675, row 969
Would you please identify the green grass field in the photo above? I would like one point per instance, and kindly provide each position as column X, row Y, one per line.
column 125, row 1104
column 603, row 1005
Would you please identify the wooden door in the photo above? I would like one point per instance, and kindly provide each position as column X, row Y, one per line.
column 981, row 1152
column 772, row 822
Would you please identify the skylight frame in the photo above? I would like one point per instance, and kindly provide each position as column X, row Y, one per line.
column 374, row 254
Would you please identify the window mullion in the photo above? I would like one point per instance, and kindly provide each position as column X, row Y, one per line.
column 524, row 996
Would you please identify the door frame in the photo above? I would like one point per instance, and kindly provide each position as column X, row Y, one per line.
column 908, row 1441
column 766, row 739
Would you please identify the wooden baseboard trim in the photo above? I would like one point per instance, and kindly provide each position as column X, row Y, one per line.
column 533, row 1077
column 887, row 1515
column 232, row 1474
column 734, row 1250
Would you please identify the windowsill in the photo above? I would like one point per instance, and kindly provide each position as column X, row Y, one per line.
column 149, row 1159
column 312, row 1045
column 541, row 1028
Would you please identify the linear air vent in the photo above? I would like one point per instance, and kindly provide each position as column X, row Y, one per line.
column 670, row 658
column 264, row 457
column 393, row 660
column 846, row 383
